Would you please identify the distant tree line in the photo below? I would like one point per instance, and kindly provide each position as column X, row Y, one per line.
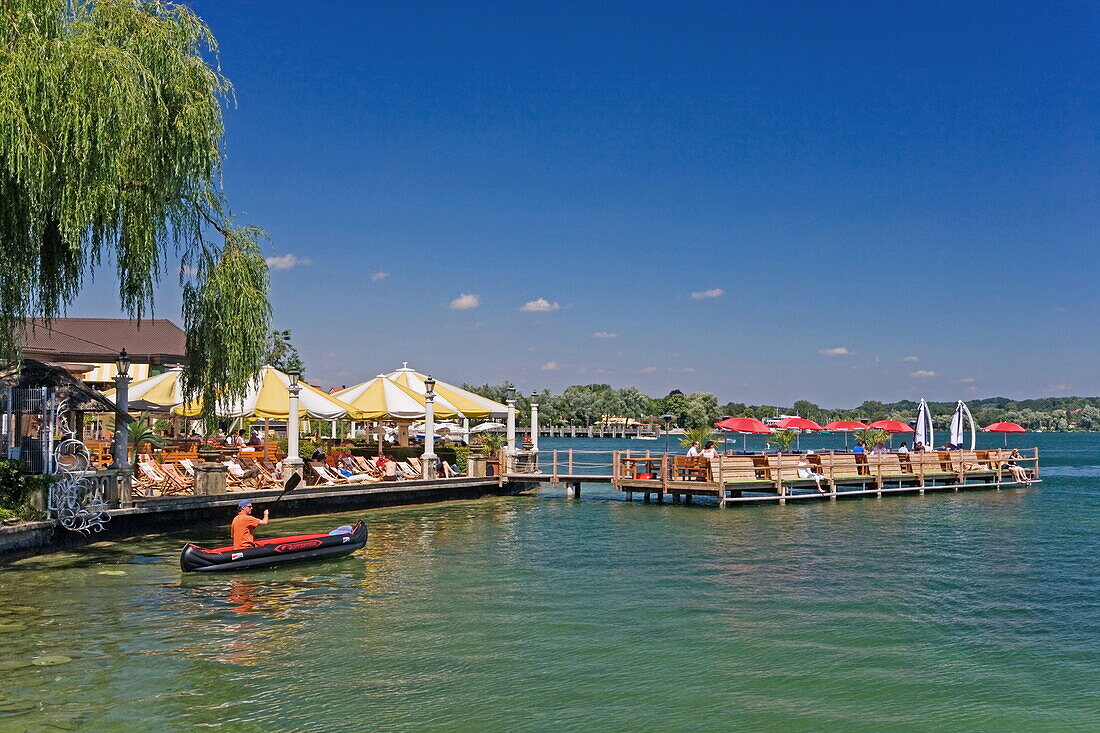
column 591, row 404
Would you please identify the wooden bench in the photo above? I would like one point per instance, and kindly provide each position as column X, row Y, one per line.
column 841, row 466
column 736, row 471
column 930, row 465
column 691, row 468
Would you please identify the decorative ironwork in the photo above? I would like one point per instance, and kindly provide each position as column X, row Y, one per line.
column 75, row 497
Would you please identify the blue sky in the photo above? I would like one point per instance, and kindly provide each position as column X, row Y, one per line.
column 773, row 201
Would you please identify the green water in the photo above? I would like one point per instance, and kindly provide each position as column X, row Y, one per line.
column 973, row 611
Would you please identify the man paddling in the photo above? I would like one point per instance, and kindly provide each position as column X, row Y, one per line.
column 244, row 523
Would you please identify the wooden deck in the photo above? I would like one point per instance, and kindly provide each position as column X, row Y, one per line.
column 777, row 478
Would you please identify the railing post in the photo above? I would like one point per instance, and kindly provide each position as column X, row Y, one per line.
column 1035, row 463
column 569, row 471
column 615, row 470
column 664, row 477
column 554, row 470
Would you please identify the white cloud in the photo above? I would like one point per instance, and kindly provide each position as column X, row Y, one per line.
column 380, row 275
column 837, row 351
column 683, row 370
column 922, row 373
column 704, row 294
column 550, row 366
column 287, row 261
column 909, row 358
column 605, row 335
column 540, row 305
column 967, row 380
column 648, row 370
column 466, row 301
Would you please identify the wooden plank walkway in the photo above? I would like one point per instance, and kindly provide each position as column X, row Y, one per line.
column 777, row 478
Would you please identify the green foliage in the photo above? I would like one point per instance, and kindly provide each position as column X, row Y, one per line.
column 110, row 149
column 282, row 354
column 141, row 432
column 462, row 456
column 492, row 443
column 782, row 440
column 16, row 488
column 701, row 434
column 872, row 437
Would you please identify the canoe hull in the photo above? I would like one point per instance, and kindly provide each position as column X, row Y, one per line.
column 275, row 551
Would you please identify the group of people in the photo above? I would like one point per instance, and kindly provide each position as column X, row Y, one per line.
column 236, row 439
column 708, row 450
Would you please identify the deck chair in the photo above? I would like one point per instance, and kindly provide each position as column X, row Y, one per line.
column 326, row 474
column 179, row 482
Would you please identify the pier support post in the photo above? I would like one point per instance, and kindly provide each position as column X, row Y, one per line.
column 573, row 490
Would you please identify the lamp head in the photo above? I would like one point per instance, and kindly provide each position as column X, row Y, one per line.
column 122, row 363
column 294, row 375
column 429, row 385
column 510, row 393
column 668, row 418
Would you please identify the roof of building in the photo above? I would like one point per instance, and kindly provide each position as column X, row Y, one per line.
column 100, row 339
column 77, row 396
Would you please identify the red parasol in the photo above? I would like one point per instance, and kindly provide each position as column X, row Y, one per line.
column 743, row 425
column 1004, row 427
column 797, row 423
column 892, row 426
column 846, row 425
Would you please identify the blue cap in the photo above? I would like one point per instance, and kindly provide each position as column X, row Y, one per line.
column 243, row 503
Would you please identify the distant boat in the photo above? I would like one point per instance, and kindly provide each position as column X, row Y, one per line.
column 645, row 437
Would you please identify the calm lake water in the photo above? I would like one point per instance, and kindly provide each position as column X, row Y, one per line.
column 974, row 611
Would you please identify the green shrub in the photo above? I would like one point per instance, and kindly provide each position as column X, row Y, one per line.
column 16, row 488
column 462, row 455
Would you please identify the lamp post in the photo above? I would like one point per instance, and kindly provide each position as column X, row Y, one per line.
column 534, row 421
column 122, row 402
column 427, row 461
column 667, row 419
column 293, row 461
column 510, row 400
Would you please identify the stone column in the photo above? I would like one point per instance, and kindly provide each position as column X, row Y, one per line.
column 427, row 460
column 210, row 474
column 293, row 462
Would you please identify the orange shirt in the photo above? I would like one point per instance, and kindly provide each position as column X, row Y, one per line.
column 242, row 530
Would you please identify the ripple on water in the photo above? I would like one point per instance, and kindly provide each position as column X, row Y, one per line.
column 951, row 611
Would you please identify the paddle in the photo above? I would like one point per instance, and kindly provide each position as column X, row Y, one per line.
column 291, row 483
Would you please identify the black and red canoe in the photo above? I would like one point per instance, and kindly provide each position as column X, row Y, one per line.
column 274, row 551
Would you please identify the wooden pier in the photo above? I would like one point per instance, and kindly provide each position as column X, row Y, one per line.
column 778, row 478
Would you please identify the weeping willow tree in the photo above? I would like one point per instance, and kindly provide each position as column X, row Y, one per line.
column 110, row 154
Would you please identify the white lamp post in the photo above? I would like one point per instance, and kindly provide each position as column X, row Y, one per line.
column 510, row 400
column 293, row 462
column 122, row 401
column 534, row 421
column 427, row 461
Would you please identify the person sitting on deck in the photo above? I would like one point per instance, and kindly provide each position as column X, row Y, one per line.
column 858, row 447
column 903, row 448
column 709, row 450
column 879, row 449
column 1019, row 473
column 389, row 469
column 806, row 471
column 693, row 451
column 254, row 438
column 243, row 524
column 918, row 447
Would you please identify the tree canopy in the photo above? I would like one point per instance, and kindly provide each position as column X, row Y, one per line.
column 110, row 152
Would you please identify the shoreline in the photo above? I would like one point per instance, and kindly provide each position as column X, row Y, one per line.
column 173, row 514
